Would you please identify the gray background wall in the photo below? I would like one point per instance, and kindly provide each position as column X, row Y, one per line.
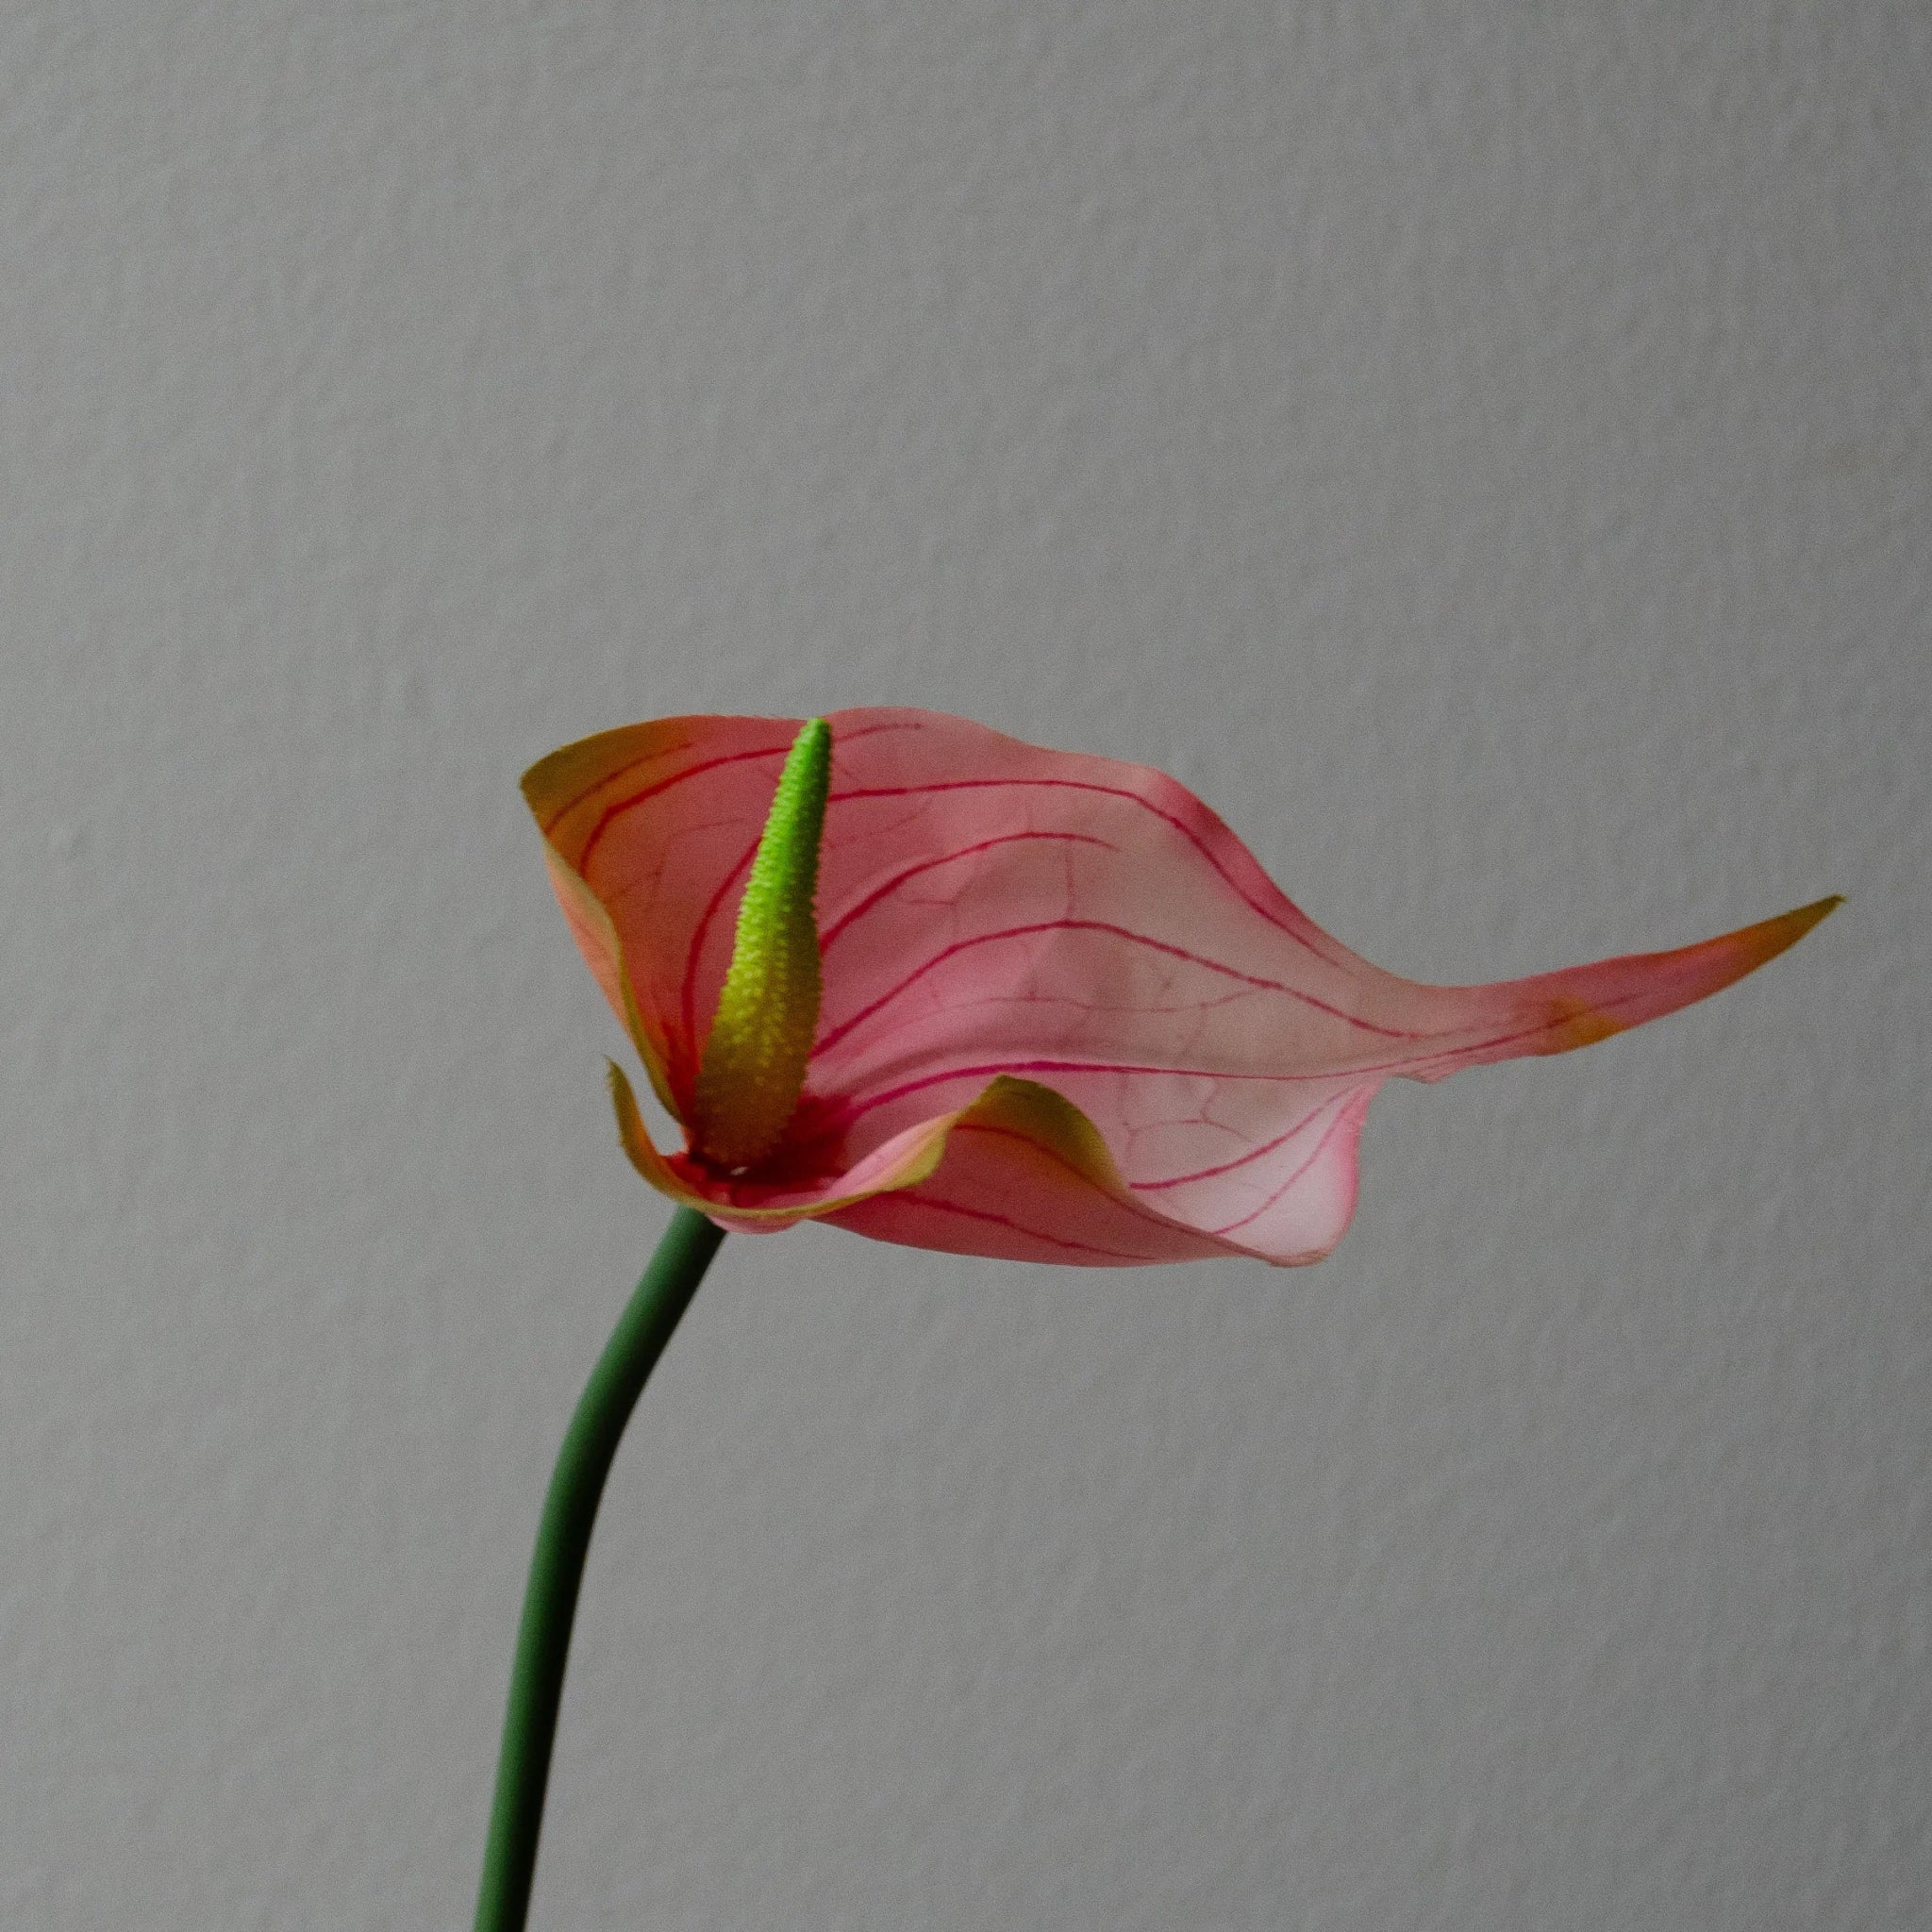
column 1482, row 448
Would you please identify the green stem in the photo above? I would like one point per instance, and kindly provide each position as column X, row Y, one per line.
column 556, row 1568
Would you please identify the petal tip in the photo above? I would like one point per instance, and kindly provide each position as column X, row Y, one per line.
column 1690, row 974
column 1756, row 944
column 1788, row 928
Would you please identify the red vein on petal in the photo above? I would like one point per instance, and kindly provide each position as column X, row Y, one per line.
column 1410, row 1066
column 614, row 777
column 1148, row 805
column 1051, row 1240
column 1121, row 932
column 1208, row 1173
column 1151, row 1216
column 849, row 736
column 988, row 1070
column 1320, row 1146
column 650, row 792
column 855, row 1107
column 911, row 872
column 1546, row 1026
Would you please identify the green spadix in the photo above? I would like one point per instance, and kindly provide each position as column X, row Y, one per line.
column 753, row 1068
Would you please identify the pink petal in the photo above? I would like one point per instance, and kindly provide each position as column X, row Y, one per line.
column 1026, row 1176
column 765, row 1208
column 989, row 909
column 660, row 822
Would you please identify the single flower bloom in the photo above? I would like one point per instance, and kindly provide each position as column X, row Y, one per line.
column 962, row 992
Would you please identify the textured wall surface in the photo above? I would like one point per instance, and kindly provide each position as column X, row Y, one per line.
column 1482, row 448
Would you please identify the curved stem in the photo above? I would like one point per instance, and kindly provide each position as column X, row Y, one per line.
column 557, row 1568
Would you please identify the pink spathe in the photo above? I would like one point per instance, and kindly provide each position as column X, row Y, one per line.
column 1066, row 1015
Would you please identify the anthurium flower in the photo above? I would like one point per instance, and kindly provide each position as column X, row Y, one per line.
column 962, row 993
